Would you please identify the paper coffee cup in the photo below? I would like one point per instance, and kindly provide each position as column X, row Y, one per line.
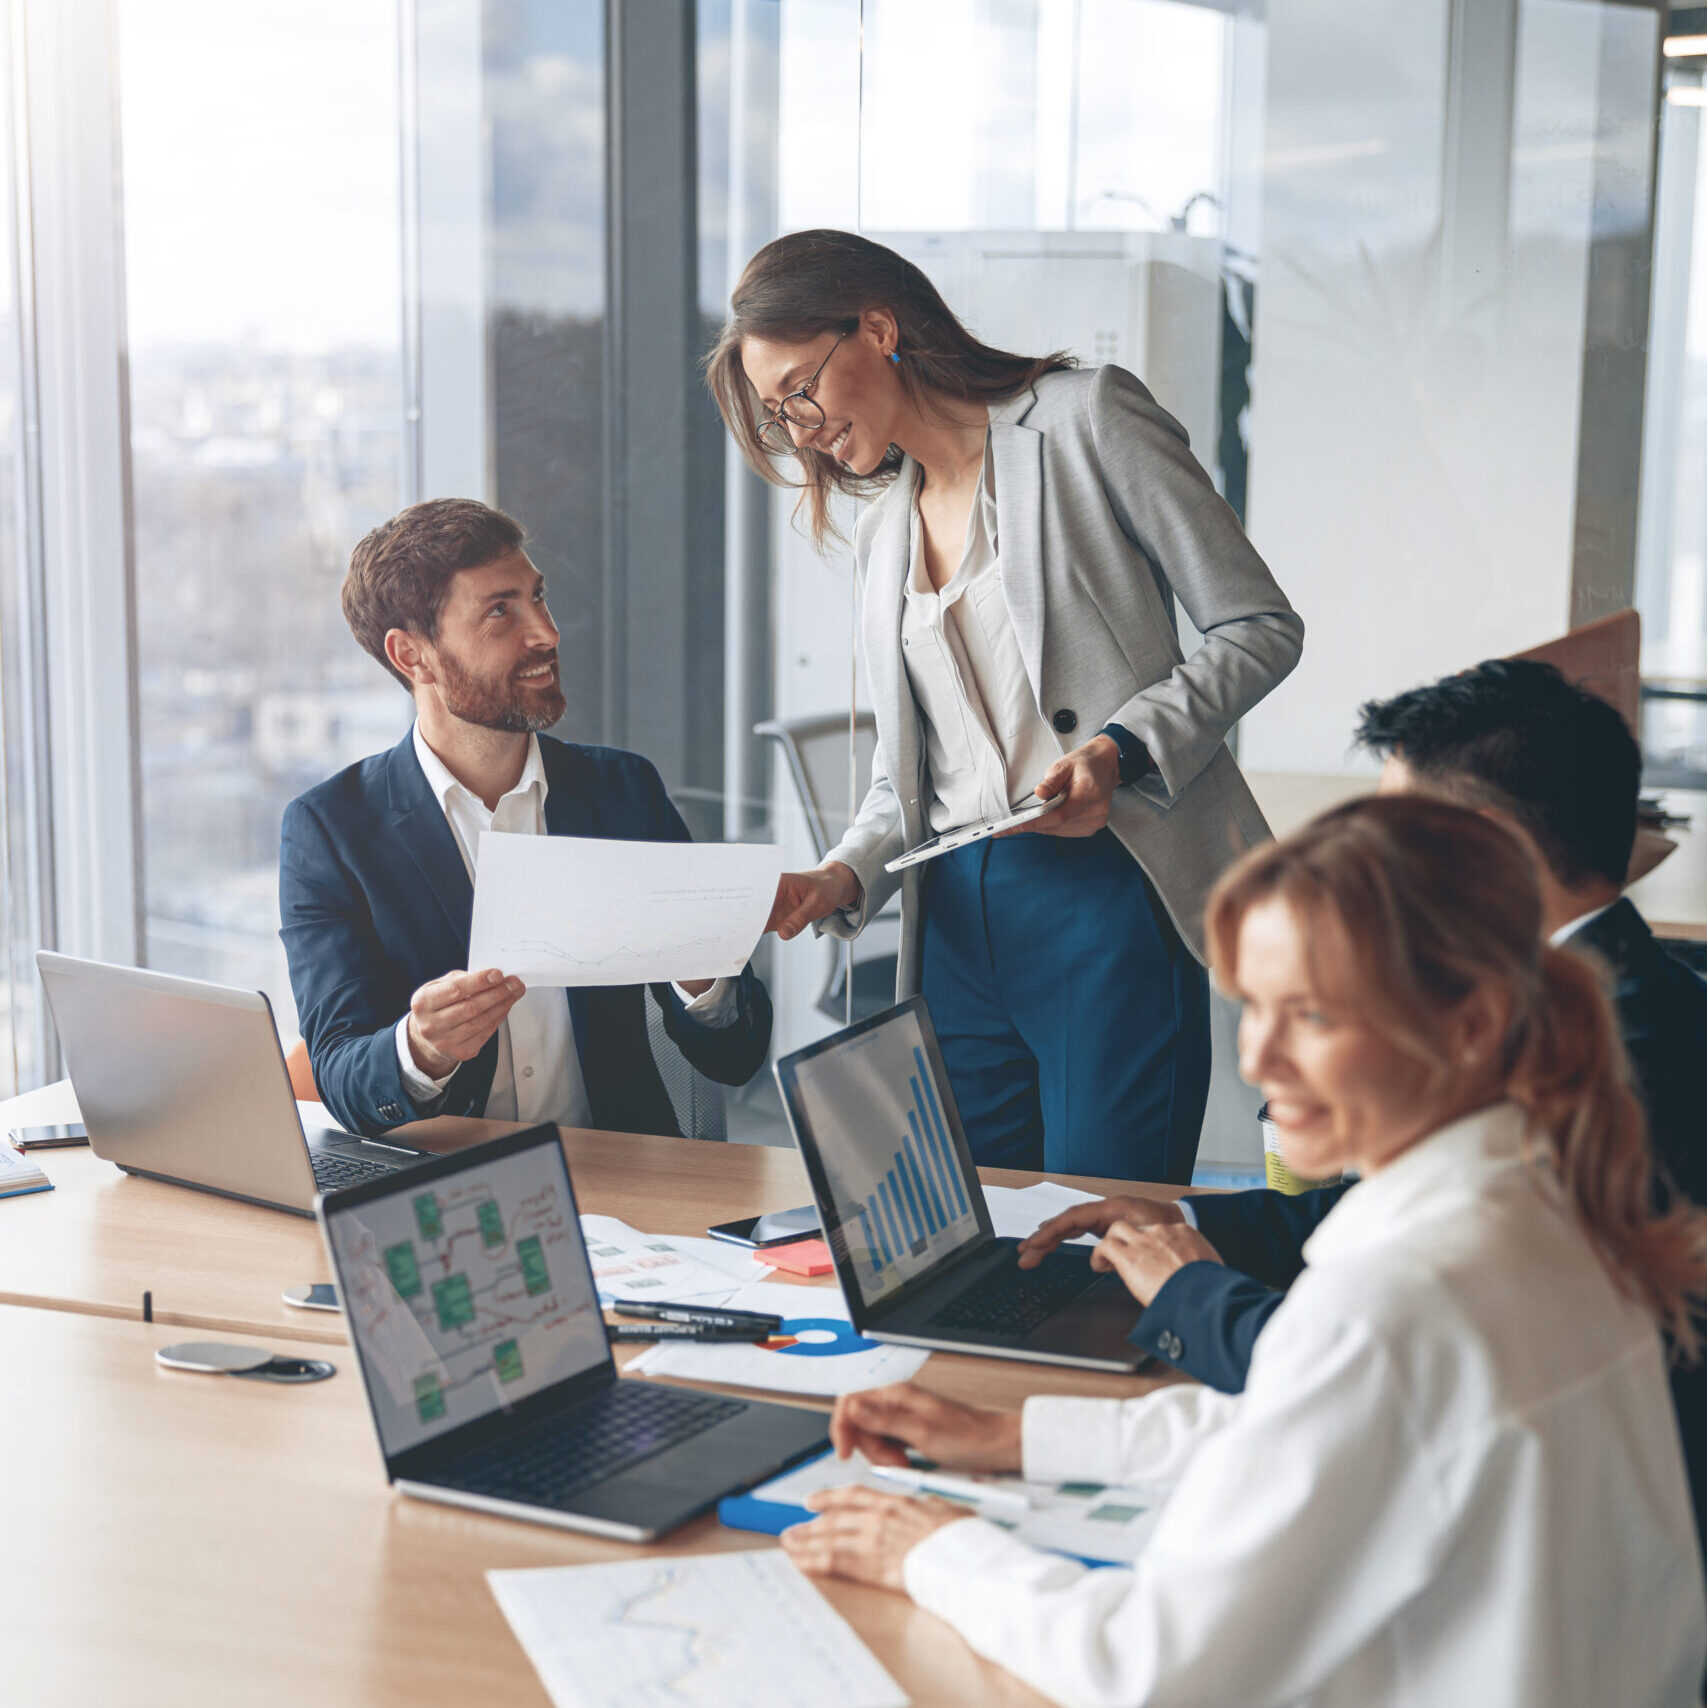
column 1281, row 1178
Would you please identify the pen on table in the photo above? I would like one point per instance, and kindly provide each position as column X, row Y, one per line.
column 760, row 1322
column 951, row 1487
column 682, row 1331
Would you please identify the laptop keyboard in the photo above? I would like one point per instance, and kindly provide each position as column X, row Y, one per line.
column 554, row 1461
column 1013, row 1301
column 332, row 1169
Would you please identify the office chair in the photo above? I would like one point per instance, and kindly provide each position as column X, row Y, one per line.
column 815, row 750
column 701, row 1112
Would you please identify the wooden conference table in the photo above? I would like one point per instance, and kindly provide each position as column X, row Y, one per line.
column 172, row 1538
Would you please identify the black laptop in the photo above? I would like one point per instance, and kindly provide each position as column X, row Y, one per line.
column 475, row 1320
column 905, row 1217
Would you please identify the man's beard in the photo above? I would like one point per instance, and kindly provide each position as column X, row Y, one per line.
column 515, row 707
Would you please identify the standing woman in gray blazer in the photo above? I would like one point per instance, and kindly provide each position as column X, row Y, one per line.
column 1032, row 525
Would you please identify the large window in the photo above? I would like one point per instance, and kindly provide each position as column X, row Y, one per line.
column 262, row 220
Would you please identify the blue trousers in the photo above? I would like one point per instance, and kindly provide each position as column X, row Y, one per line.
column 1074, row 1022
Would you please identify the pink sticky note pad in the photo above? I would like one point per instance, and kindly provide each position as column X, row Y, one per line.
column 803, row 1257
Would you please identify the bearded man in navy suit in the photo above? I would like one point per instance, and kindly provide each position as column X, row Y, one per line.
column 376, row 864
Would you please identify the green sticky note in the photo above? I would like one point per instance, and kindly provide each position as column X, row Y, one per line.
column 429, row 1398
column 507, row 1360
column 455, row 1301
column 1080, row 1491
column 428, row 1217
column 1112, row 1512
column 491, row 1223
column 535, row 1276
column 400, row 1265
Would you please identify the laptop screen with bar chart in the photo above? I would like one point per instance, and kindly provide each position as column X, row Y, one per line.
column 882, row 1140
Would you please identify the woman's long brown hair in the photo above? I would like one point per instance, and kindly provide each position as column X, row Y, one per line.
column 812, row 282
column 1432, row 902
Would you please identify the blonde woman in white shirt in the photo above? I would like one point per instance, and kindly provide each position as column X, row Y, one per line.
column 1031, row 527
column 1453, row 1476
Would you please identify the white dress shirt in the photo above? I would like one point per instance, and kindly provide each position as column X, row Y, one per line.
column 1453, row 1478
column 987, row 742
column 538, row 1073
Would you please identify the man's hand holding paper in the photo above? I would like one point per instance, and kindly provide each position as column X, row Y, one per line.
column 565, row 910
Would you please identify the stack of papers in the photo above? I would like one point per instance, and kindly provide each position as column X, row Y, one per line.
column 719, row 1631
column 18, row 1174
column 1094, row 1522
column 815, row 1352
column 664, row 1268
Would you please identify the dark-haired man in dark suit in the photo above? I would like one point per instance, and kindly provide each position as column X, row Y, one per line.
column 1559, row 768
column 376, row 864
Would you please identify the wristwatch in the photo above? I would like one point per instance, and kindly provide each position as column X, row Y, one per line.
column 1135, row 760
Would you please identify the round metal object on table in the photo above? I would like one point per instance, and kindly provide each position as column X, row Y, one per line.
column 285, row 1369
column 213, row 1357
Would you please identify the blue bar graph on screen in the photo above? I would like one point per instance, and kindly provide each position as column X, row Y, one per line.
column 919, row 1193
column 947, row 1150
column 922, row 1175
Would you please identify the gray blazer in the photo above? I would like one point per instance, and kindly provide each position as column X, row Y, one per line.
column 1105, row 518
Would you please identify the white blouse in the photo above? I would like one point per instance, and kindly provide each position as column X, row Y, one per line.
column 1453, row 1478
column 987, row 742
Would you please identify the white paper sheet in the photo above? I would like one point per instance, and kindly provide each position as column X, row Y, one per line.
column 717, row 1630
column 628, row 1264
column 1091, row 1521
column 572, row 910
column 1018, row 1212
column 827, row 1357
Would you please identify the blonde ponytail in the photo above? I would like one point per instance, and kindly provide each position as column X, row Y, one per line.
column 1570, row 1073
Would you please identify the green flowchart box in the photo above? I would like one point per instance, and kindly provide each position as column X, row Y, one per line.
column 535, row 1276
column 491, row 1223
column 429, row 1218
column 429, row 1398
column 454, row 1299
column 404, row 1272
column 507, row 1360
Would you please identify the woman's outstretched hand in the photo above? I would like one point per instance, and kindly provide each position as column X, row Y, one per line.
column 864, row 1535
column 882, row 1423
column 803, row 897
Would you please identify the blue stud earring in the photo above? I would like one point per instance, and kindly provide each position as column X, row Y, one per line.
column 895, row 357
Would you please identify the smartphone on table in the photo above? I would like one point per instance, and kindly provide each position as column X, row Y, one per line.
column 51, row 1136
column 779, row 1227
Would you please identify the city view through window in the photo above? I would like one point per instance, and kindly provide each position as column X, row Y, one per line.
column 263, row 281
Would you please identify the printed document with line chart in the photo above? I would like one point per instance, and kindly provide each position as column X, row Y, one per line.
column 715, row 1631
column 573, row 910
column 466, row 1295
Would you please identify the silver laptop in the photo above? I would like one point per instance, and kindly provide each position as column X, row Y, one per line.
column 475, row 1320
column 904, row 1211
column 185, row 1082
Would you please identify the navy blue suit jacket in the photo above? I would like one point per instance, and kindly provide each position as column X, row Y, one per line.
column 1213, row 1312
column 375, row 901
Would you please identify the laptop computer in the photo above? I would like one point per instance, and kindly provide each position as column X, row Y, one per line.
column 475, row 1320
column 185, row 1082
column 904, row 1211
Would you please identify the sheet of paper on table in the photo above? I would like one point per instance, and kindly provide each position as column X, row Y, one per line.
column 628, row 1264
column 716, row 1630
column 1091, row 1521
column 816, row 1352
column 1017, row 1212
column 575, row 910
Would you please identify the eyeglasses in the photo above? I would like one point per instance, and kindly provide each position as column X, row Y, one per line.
column 796, row 410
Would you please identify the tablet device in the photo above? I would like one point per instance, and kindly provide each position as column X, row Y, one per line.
column 1028, row 809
